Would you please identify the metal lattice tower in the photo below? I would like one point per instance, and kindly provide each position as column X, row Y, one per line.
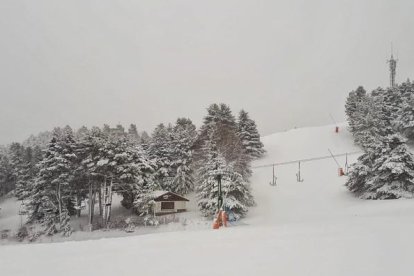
column 393, row 67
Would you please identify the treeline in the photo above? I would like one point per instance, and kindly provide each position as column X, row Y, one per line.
column 54, row 180
column 382, row 122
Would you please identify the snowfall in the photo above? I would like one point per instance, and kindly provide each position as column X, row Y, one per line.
column 313, row 227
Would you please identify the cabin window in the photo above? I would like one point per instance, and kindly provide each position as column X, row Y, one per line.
column 167, row 205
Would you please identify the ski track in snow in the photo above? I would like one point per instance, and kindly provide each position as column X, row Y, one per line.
column 315, row 227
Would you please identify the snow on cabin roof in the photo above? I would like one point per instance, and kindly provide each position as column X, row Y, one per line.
column 159, row 193
column 174, row 197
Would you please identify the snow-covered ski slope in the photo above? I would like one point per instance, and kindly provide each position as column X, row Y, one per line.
column 314, row 227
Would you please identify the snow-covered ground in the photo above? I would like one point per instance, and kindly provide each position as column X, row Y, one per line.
column 11, row 221
column 314, row 227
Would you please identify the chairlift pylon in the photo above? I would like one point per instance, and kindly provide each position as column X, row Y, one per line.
column 298, row 176
column 273, row 183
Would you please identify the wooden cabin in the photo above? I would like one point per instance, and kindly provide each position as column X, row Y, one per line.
column 168, row 203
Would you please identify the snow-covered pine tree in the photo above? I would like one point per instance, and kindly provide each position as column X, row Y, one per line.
column 18, row 168
column 17, row 161
column 106, row 129
column 135, row 174
column 6, row 174
column 350, row 108
column 89, row 153
column 404, row 121
column 80, row 180
column 386, row 169
column 365, row 123
column 25, row 175
column 133, row 135
column 81, row 133
column 222, row 123
column 392, row 101
column 145, row 140
column 160, row 151
column 115, row 165
column 249, row 136
column 77, row 182
column 356, row 110
column 144, row 184
column 235, row 191
column 358, row 175
column 207, row 188
column 392, row 171
column 183, row 137
column 40, row 140
column 51, row 190
column 210, row 122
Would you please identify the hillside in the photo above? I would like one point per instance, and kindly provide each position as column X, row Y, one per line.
column 314, row 227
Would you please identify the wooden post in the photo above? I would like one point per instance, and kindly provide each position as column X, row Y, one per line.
column 109, row 203
column 220, row 197
column 91, row 206
column 60, row 204
column 100, row 199
column 78, row 202
column 104, row 204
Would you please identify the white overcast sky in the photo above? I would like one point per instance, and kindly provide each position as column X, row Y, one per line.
column 288, row 63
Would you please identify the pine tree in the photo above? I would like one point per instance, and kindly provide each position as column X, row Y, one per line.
column 183, row 137
column 133, row 135
column 392, row 171
column 210, row 122
column 392, row 101
column 236, row 193
column 106, row 129
column 249, row 136
column 358, row 175
column 356, row 108
column 89, row 153
column 7, row 183
column 145, row 140
column 222, row 123
column 119, row 131
column 25, row 175
column 50, row 194
column 160, row 151
column 135, row 174
column 115, row 165
column 81, row 133
column 386, row 169
column 405, row 117
column 16, row 159
column 40, row 140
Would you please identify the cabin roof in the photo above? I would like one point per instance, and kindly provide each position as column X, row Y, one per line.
column 167, row 196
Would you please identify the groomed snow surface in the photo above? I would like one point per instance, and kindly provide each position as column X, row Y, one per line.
column 314, row 227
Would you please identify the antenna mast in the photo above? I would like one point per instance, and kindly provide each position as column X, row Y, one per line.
column 392, row 67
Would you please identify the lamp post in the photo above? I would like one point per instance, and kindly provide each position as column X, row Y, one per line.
column 220, row 197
